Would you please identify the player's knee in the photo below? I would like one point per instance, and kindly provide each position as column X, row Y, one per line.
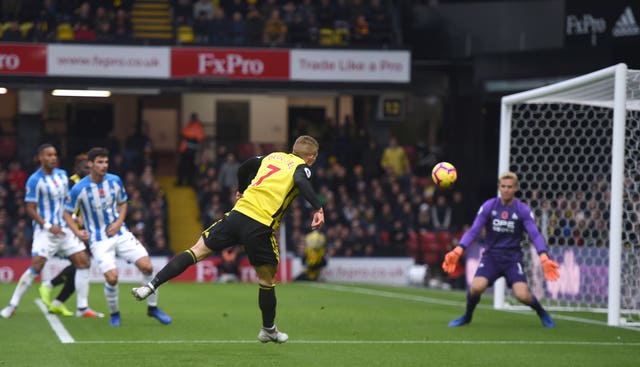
column 523, row 297
column 111, row 279
column 477, row 288
column 146, row 269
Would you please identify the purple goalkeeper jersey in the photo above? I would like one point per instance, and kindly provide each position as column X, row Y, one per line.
column 504, row 225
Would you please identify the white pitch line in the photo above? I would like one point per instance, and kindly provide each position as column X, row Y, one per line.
column 55, row 323
column 366, row 342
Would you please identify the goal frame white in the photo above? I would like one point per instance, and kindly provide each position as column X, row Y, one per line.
column 619, row 105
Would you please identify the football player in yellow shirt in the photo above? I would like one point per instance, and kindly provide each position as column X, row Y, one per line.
column 267, row 185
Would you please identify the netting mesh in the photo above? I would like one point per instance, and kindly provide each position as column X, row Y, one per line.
column 562, row 154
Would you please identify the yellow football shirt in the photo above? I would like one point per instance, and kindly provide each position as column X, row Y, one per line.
column 271, row 190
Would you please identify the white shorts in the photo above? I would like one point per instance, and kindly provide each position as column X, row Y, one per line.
column 46, row 244
column 125, row 246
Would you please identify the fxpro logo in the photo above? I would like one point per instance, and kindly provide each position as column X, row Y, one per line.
column 585, row 24
column 231, row 64
column 9, row 61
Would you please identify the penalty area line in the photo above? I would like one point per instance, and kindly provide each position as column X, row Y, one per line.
column 55, row 323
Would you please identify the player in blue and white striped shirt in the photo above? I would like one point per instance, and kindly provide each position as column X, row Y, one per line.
column 46, row 190
column 102, row 200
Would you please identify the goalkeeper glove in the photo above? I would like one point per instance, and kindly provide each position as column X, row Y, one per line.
column 549, row 267
column 451, row 259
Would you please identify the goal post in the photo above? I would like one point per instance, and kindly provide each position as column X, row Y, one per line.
column 576, row 146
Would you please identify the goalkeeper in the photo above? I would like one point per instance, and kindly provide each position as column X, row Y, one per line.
column 504, row 218
column 315, row 256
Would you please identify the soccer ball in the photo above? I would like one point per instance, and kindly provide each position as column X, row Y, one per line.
column 444, row 174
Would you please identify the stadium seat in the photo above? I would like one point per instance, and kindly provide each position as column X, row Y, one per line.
column 443, row 239
column 327, row 37
column 413, row 245
column 429, row 245
column 64, row 32
column 342, row 36
column 3, row 27
column 185, row 34
column 25, row 28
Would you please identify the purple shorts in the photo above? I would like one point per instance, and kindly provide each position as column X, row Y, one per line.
column 492, row 268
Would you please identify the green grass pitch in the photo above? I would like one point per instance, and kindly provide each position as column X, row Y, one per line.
column 328, row 325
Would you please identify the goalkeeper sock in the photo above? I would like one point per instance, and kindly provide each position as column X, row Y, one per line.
column 472, row 302
column 536, row 306
column 267, row 302
column 174, row 268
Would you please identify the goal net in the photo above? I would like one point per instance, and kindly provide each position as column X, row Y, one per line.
column 576, row 148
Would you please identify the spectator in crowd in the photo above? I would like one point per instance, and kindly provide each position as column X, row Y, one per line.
column 122, row 23
column 441, row 214
column 275, row 30
column 239, row 6
column 134, row 149
column 12, row 32
column 255, row 26
column 459, row 212
column 203, row 6
column 201, row 28
column 379, row 20
column 11, row 9
column 16, row 177
column 298, row 31
column 219, row 28
column 360, row 33
column 192, row 136
column 83, row 15
column 84, row 32
column 395, row 161
column 182, row 12
column 228, row 175
column 237, row 29
column 104, row 33
column 121, row 34
column 267, row 7
column 39, row 32
column 288, row 12
column 325, row 14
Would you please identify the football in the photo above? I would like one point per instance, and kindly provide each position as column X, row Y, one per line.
column 444, row 174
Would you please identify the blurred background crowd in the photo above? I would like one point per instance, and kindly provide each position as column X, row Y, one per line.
column 270, row 23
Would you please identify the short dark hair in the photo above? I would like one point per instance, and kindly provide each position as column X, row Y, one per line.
column 44, row 146
column 96, row 152
column 80, row 159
